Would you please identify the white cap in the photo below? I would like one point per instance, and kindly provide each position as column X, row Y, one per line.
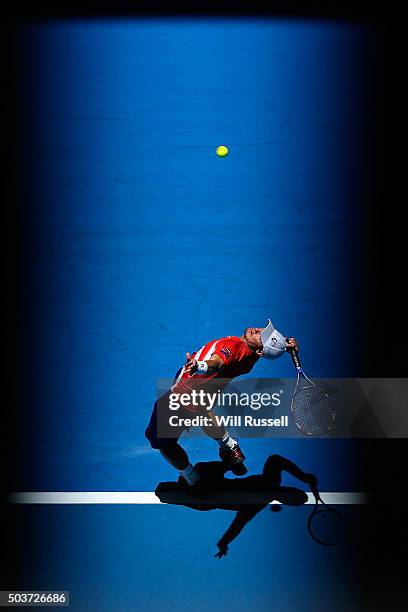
column 274, row 344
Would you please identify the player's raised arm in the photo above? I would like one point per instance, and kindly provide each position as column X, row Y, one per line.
column 241, row 519
column 276, row 464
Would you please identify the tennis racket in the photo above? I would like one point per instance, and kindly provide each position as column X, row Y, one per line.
column 326, row 525
column 310, row 405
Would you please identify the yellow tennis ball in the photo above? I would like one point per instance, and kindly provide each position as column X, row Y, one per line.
column 222, row 151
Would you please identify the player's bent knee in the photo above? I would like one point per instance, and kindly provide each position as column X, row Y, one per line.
column 162, row 444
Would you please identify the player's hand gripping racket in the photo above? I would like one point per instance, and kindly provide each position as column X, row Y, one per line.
column 326, row 525
column 310, row 405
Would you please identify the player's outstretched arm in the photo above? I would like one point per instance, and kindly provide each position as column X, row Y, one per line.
column 241, row 519
column 211, row 366
column 293, row 469
column 276, row 464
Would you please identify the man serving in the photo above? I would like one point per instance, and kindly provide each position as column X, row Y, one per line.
column 225, row 358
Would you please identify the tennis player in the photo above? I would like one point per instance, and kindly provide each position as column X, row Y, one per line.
column 224, row 359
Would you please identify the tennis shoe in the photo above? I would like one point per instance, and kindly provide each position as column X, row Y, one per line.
column 232, row 456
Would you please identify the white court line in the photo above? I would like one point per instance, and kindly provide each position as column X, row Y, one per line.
column 145, row 497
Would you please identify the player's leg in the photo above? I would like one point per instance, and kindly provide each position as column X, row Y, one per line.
column 170, row 449
column 178, row 458
column 230, row 451
column 175, row 455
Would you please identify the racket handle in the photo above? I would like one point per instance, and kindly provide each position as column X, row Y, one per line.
column 295, row 356
column 316, row 493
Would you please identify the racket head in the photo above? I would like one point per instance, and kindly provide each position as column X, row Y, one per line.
column 328, row 526
column 311, row 410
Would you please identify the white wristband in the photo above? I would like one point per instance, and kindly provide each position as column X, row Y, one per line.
column 202, row 367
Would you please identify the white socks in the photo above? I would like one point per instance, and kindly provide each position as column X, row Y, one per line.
column 227, row 442
column 190, row 474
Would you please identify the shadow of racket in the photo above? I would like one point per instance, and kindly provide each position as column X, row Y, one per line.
column 327, row 525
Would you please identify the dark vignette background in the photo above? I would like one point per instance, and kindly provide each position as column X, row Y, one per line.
column 381, row 301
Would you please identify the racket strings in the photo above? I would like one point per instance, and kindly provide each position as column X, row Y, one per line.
column 311, row 410
column 329, row 527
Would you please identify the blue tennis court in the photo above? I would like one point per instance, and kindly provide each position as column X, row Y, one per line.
column 140, row 245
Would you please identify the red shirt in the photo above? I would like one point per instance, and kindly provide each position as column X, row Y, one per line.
column 238, row 359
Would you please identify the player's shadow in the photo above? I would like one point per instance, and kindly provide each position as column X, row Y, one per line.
column 247, row 496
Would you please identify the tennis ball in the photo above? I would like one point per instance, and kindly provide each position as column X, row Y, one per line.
column 222, row 151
